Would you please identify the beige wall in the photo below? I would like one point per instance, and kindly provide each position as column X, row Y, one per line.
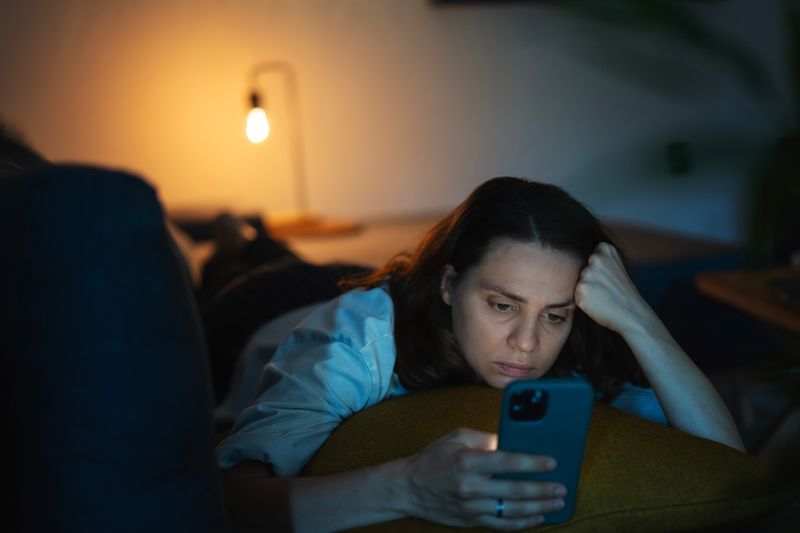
column 405, row 106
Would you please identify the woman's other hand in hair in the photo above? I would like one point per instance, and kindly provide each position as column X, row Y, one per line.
column 606, row 293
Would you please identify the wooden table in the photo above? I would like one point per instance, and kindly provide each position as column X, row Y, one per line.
column 751, row 292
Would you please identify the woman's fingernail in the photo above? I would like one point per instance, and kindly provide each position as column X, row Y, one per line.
column 558, row 504
column 561, row 491
column 551, row 464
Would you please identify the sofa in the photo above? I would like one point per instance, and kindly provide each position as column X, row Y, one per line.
column 108, row 402
column 105, row 380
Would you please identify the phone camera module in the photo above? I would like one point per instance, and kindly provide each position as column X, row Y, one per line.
column 528, row 405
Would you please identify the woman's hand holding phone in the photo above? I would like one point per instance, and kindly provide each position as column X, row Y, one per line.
column 451, row 482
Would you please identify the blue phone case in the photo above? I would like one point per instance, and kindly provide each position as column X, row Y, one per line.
column 548, row 417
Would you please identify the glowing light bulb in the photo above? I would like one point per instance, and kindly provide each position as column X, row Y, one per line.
column 257, row 125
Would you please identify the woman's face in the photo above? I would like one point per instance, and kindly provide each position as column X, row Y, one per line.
column 513, row 311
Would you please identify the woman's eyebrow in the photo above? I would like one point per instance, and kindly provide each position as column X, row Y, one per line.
column 517, row 298
column 568, row 303
column 504, row 292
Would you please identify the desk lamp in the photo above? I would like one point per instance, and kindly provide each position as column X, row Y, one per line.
column 303, row 222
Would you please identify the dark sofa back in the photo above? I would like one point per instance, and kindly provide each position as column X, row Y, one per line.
column 105, row 377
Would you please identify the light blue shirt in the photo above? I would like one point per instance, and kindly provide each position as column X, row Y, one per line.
column 332, row 361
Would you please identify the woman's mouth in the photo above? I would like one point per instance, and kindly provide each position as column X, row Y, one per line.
column 514, row 371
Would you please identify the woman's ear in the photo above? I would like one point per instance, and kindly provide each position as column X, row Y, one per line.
column 446, row 284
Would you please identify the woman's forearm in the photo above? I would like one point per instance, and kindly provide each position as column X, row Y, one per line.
column 606, row 293
column 449, row 482
column 348, row 500
column 258, row 501
column 688, row 398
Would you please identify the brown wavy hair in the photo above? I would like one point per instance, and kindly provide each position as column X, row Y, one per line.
column 428, row 353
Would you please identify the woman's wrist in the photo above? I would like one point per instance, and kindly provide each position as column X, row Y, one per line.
column 640, row 323
column 351, row 499
column 392, row 481
column 643, row 328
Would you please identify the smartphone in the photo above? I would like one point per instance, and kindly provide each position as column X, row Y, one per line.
column 548, row 417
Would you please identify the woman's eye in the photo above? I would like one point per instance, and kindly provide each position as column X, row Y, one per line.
column 554, row 318
column 502, row 307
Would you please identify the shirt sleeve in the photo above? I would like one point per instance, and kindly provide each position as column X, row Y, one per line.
column 248, row 369
column 640, row 401
column 314, row 381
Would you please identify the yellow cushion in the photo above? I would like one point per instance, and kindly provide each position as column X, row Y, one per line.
column 636, row 476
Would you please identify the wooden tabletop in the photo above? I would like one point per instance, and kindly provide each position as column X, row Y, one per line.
column 750, row 291
column 645, row 245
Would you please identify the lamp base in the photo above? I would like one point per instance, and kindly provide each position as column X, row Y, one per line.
column 305, row 224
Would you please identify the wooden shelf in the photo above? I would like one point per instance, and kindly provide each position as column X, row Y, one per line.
column 311, row 226
column 751, row 292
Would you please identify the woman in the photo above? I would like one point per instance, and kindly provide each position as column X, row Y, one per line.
column 519, row 281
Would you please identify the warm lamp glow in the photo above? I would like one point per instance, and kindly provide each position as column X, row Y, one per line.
column 302, row 222
column 257, row 125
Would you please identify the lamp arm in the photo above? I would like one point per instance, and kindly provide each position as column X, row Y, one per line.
column 296, row 137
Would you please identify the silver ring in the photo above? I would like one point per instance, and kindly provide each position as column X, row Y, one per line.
column 500, row 508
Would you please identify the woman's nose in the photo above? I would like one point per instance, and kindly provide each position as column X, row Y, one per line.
column 524, row 337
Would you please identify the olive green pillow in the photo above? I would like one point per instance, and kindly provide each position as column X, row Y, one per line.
column 636, row 476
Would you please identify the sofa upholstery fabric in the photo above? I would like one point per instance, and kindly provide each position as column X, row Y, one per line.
column 105, row 377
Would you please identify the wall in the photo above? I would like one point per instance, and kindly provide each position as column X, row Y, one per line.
column 405, row 106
